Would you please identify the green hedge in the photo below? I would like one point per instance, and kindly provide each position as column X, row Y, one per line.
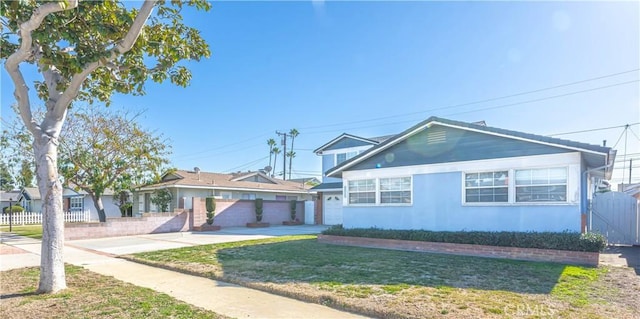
column 546, row 240
column 16, row 209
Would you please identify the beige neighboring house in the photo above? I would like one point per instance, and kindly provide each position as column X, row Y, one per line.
column 72, row 200
column 184, row 185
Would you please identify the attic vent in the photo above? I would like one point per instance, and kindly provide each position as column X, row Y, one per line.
column 436, row 137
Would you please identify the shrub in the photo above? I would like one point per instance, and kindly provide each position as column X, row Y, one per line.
column 258, row 203
column 14, row 208
column 543, row 240
column 293, row 204
column 211, row 208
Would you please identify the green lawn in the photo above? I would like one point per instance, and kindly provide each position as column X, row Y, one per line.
column 400, row 284
column 33, row 231
column 88, row 295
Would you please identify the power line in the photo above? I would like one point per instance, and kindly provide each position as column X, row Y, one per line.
column 477, row 102
column 476, row 110
column 246, row 164
column 593, row 130
column 547, row 98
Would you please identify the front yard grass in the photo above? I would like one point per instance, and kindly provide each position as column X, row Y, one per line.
column 32, row 231
column 397, row 284
column 88, row 295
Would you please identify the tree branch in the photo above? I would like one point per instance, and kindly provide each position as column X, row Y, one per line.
column 121, row 47
column 24, row 52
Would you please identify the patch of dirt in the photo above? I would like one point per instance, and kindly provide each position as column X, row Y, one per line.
column 620, row 286
column 10, row 250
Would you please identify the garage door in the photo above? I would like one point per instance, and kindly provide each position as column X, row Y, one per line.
column 332, row 209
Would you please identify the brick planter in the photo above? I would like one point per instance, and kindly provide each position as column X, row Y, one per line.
column 257, row 225
column 292, row 223
column 206, row 227
column 528, row 254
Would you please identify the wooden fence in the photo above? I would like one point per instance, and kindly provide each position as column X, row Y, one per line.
column 27, row 218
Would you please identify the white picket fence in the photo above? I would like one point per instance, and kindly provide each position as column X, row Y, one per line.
column 27, row 218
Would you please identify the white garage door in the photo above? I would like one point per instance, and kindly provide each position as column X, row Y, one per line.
column 332, row 209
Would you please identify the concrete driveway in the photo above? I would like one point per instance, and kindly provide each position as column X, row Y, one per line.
column 151, row 242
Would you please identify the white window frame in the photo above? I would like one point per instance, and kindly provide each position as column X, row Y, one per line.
column 348, row 155
column 548, row 184
column 465, row 187
column 380, row 191
column 78, row 200
column 377, row 192
column 512, row 187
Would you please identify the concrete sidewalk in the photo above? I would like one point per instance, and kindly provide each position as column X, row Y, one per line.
column 220, row 297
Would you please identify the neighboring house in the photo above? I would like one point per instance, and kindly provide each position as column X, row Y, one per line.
column 79, row 200
column 446, row 175
column 72, row 200
column 311, row 181
column 9, row 197
column 184, row 185
column 329, row 192
column 630, row 189
column 30, row 199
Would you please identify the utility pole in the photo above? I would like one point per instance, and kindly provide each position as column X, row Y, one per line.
column 284, row 154
column 630, row 162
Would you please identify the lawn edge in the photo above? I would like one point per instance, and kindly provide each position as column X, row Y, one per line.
column 323, row 300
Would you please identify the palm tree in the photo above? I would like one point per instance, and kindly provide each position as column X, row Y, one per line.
column 271, row 142
column 275, row 151
column 293, row 133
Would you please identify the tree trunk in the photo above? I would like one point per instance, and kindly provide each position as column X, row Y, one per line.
column 97, row 202
column 52, row 275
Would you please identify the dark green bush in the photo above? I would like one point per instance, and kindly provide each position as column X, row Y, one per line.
column 211, row 208
column 293, row 204
column 258, row 203
column 16, row 209
column 544, row 240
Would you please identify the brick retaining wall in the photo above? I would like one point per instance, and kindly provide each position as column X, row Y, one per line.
column 529, row 254
column 232, row 212
column 147, row 224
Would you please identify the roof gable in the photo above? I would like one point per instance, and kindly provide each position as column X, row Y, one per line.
column 345, row 141
column 426, row 143
column 256, row 177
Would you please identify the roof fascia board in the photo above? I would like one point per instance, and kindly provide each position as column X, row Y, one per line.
column 318, row 150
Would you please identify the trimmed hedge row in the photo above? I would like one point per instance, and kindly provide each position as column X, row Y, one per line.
column 545, row 240
column 15, row 209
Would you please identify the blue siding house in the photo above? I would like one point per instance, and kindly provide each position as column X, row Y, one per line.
column 446, row 175
column 329, row 192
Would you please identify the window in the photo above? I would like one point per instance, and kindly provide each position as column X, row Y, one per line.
column 362, row 191
column 341, row 157
column 395, row 190
column 75, row 203
column 487, row 187
column 248, row 196
column 225, row 195
column 541, row 185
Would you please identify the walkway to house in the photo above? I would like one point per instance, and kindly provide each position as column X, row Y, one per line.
column 622, row 256
column 99, row 255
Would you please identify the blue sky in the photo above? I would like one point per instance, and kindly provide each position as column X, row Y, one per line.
column 376, row 68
